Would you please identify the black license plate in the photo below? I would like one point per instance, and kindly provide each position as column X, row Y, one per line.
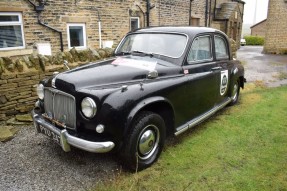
column 50, row 134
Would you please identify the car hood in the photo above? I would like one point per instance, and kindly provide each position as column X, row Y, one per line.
column 117, row 70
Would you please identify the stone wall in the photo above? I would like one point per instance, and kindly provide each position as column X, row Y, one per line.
column 259, row 29
column 20, row 75
column 276, row 27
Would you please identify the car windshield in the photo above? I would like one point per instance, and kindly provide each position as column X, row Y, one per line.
column 170, row 45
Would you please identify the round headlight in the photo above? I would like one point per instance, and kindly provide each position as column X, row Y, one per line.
column 89, row 107
column 40, row 91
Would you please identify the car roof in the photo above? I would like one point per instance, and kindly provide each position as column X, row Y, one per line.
column 189, row 30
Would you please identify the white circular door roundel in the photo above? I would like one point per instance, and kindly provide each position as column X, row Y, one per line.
column 223, row 82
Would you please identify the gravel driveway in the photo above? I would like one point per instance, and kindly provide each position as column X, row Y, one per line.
column 33, row 162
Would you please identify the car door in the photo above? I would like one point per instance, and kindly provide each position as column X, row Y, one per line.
column 221, row 51
column 203, row 77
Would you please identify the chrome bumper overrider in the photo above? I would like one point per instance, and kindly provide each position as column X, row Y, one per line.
column 66, row 139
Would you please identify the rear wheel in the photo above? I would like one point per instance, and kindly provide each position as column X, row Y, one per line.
column 235, row 90
column 145, row 141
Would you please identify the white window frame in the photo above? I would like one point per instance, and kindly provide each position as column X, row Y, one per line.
column 13, row 23
column 83, row 25
column 137, row 18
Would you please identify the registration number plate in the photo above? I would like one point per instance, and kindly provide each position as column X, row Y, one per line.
column 50, row 134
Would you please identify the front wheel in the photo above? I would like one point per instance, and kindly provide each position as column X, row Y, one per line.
column 145, row 142
column 235, row 90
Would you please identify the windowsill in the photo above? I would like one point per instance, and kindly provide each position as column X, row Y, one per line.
column 78, row 47
column 17, row 52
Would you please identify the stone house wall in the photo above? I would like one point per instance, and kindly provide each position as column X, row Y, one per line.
column 259, row 29
column 276, row 28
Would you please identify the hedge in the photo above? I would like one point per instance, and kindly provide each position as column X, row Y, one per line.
column 254, row 40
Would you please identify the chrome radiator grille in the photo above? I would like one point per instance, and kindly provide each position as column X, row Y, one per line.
column 60, row 106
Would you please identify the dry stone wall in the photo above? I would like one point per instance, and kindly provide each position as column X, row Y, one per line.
column 20, row 75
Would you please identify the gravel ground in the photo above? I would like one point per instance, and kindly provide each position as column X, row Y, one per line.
column 33, row 162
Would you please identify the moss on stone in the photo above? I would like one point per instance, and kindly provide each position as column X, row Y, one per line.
column 7, row 133
column 109, row 51
column 9, row 64
column 19, row 65
column 27, row 61
column 83, row 55
column 75, row 54
column 24, row 118
column 102, row 53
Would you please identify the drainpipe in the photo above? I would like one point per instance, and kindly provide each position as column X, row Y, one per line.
column 147, row 12
column 148, row 8
column 190, row 12
column 209, row 13
column 214, row 9
column 100, row 27
column 39, row 10
column 206, row 11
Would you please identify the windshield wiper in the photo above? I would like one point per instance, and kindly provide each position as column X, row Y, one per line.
column 122, row 53
column 141, row 52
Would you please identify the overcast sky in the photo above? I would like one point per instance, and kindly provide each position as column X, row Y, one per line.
column 249, row 11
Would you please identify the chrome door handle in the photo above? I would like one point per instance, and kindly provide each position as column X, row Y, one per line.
column 216, row 68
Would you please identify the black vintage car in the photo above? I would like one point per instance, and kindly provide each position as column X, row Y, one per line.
column 160, row 82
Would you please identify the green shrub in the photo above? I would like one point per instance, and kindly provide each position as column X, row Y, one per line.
column 254, row 40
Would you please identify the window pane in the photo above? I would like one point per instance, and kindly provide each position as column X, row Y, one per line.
column 8, row 18
column 10, row 36
column 76, row 36
column 220, row 48
column 200, row 49
column 134, row 23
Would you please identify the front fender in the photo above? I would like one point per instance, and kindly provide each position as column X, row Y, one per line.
column 145, row 103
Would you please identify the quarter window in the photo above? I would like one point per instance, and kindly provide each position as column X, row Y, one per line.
column 200, row 49
column 77, row 36
column 11, row 31
column 221, row 50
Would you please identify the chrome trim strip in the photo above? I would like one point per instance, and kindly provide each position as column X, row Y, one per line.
column 66, row 139
column 200, row 118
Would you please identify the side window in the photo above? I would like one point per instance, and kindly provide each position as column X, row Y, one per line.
column 221, row 49
column 200, row 49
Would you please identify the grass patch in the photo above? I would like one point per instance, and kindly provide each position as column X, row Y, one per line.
column 241, row 148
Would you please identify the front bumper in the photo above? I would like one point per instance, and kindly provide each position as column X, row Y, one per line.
column 66, row 139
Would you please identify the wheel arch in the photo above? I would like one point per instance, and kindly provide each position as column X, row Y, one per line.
column 158, row 105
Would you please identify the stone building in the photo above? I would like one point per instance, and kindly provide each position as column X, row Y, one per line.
column 276, row 28
column 54, row 25
column 259, row 29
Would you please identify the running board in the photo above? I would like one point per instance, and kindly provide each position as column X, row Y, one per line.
column 200, row 118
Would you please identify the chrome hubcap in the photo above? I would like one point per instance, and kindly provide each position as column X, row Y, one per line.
column 148, row 141
column 235, row 92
